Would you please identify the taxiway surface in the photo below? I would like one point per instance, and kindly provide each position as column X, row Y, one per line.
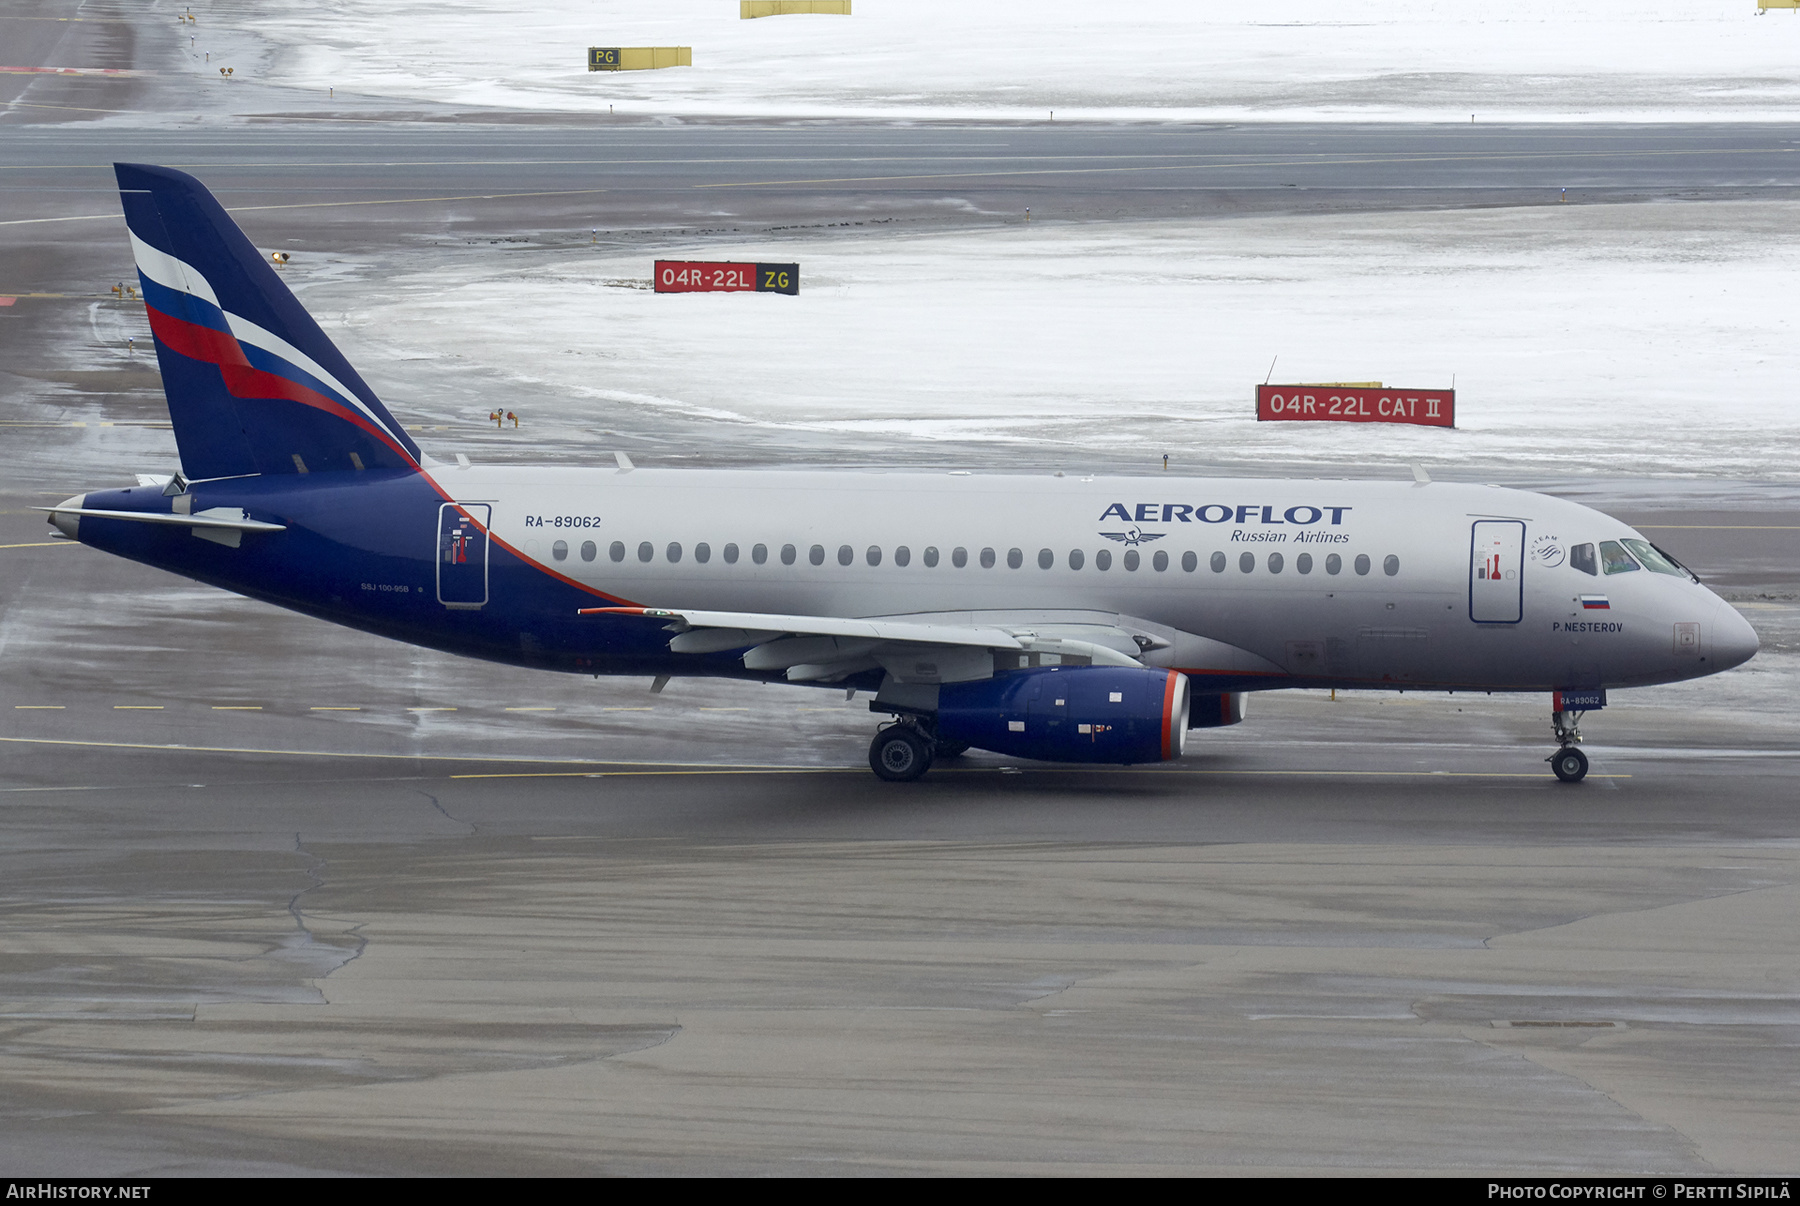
column 285, row 898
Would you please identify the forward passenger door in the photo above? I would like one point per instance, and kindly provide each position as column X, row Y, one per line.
column 1497, row 571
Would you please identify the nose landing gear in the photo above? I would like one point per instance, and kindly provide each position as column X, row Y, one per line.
column 1569, row 763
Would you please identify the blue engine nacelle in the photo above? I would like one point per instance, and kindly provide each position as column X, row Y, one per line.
column 1119, row 714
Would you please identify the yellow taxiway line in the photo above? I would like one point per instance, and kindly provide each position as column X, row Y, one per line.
column 701, row 768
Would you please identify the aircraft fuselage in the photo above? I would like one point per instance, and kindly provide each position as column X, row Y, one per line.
column 1242, row 583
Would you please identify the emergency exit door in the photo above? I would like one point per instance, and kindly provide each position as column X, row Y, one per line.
column 462, row 554
column 1497, row 572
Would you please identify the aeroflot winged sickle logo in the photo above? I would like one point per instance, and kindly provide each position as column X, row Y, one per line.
column 1134, row 536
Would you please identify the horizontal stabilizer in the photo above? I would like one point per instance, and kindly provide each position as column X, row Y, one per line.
column 217, row 517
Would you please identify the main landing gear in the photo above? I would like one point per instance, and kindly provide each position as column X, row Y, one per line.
column 901, row 753
column 1569, row 763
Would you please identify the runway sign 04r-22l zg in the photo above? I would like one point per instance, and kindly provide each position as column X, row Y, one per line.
column 703, row 276
column 1355, row 404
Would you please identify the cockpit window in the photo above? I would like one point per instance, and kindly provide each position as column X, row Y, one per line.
column 1654, row 559
column 1615, row 559
column 1581, row 557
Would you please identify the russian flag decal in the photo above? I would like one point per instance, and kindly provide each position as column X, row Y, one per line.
column 1595, row 603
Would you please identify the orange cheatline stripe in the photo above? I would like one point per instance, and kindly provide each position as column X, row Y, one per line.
column 1168, row 711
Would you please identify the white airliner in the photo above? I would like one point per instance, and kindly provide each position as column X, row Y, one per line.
column 1066, row 618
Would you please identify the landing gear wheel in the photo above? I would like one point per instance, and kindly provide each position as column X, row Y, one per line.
column 899, row 754
column 1569, row 763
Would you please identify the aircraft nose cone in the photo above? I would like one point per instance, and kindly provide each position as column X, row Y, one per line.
column 69, row 525
column 1734, row 641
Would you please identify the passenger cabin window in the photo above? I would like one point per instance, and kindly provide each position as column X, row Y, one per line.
column 1189, row 562
column 1334, row 564
column 1303, row 563
column 1046, row 559
column 1160, row 561
column 760, row 553
column 589, row 550
column 1103, row 560
column 1218, row 563
column 560, row 550
column 788, row 553
column 1076, row 559
column 1362, row 563
column 674, row 552
column 959, row 557
column 1246, row 562
column 931, row 556
column 902, row 556
column 1276, row 562
column 1582, row 558
column 1614, row 559
column 816, row 554
column 731, row 554
column 874, row 555
column 1654, row 559
column 616, row 550
column 1131, row 560
column 987, row 558
column 703, row 552
column 1390, row 565
column 1015, row 558
column 846, row 554
column 646, row 551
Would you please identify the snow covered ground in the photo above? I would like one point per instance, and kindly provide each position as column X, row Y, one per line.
column 1606, row 340
column 1427, row 60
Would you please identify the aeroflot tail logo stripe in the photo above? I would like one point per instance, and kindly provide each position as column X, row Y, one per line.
column 169, row 272
column 181, row 292
column 244, row 380
column 1263, row 513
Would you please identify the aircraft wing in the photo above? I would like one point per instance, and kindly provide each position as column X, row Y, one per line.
column 831, row 648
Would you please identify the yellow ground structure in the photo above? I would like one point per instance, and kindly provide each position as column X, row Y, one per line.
column 1762, row 5
column 638, row 58
column 781, row 8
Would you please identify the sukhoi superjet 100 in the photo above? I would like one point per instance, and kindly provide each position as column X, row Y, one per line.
column 1075, row 619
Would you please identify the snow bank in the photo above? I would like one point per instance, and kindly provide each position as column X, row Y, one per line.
column 1424, row 60
column 1615, row 340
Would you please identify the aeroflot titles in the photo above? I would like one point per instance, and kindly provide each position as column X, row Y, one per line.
column 1220, row 513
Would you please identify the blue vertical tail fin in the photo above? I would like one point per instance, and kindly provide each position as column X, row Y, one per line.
column 253, row 384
